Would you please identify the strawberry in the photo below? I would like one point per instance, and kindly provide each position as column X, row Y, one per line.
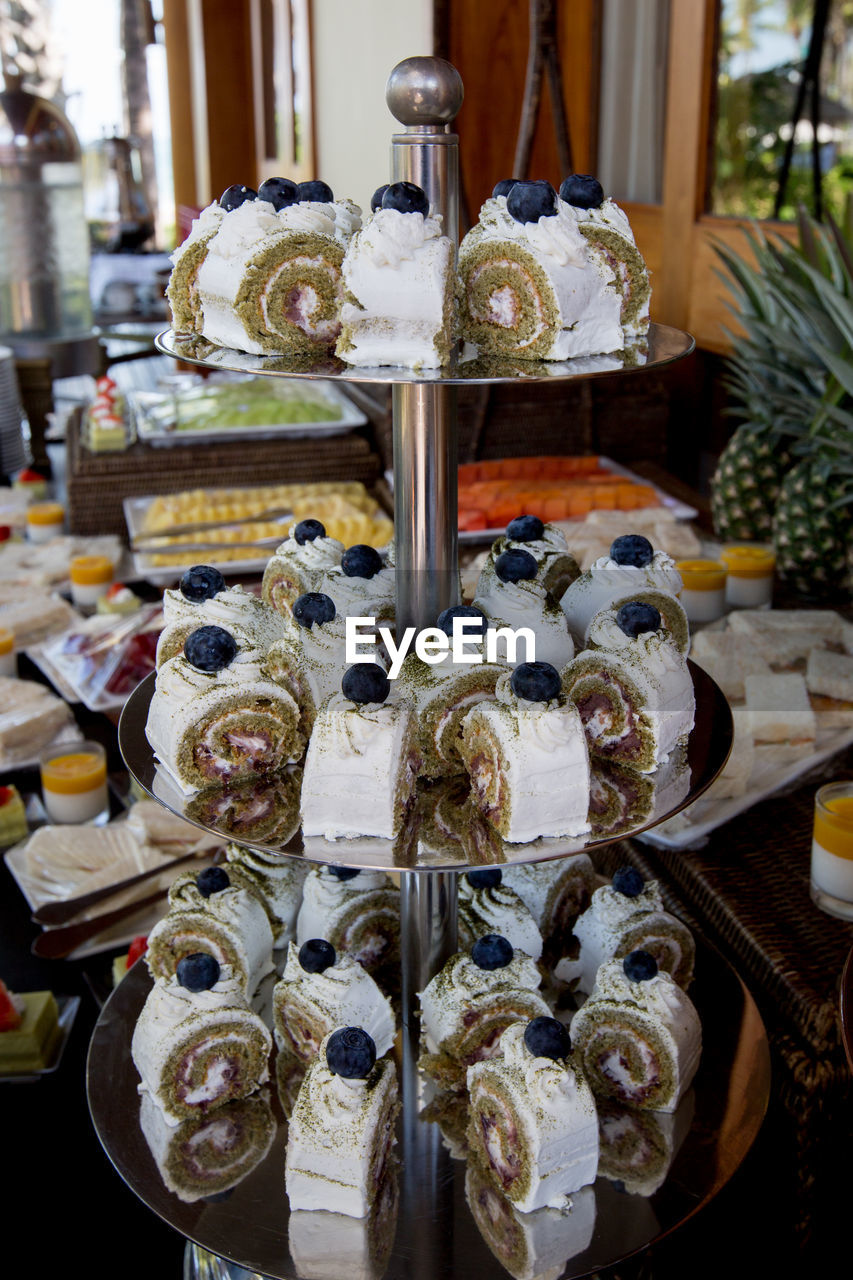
column 10, row 1019
column 137, row 948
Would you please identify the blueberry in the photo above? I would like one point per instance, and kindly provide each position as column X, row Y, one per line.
column 233, row 197
column 212, row 880
column 530, row 201
column 316, row 955
column 445, row 619
column 582, row 190
column 629, row 882
column 210, row 648
column 640, row 966
column 313, row 607
column 525, row 529
column 315, row 190
column 535, row 681
column 361, row 561
column 515, row 565
column 634, row 618
column 343, row 873
column 633, row 549
column 376, row 198
column 198, row 972
column 485, row 878
column 201, row 582
column 308, row 530
column 365, row 682
column 406, row 197
column 491, row 952
column 351, row 1053
column 547, row 1038
column 503, row 187
column 280, row 192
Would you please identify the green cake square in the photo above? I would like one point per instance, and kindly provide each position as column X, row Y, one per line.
column 30, row 1047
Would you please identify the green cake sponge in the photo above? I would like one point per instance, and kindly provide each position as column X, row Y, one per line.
column 30, row 1046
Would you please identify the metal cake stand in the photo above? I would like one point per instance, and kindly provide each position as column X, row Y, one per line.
column 441, row 1236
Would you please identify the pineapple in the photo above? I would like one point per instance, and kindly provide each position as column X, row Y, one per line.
column 745, row 486
column 812, row 529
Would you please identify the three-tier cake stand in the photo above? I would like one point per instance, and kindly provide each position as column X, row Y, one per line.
column 437, row 1220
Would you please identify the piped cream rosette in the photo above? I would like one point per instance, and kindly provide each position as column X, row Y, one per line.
column 536, row 289
column 252, row 623
column 607, row 584
column 197, row 1050
column 296, row 567
column 308, row 1005
column 208, row 1155
column 638, row 1041
column 496, row 908
column 634, row 694
column 556, row 566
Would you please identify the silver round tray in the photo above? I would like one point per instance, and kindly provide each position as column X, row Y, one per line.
column 220, row 810
column 427, row 1225
column 661, row 346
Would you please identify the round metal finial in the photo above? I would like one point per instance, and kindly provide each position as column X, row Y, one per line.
column 424, row 91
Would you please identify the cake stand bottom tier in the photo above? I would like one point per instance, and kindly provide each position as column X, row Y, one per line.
column 435, row 1217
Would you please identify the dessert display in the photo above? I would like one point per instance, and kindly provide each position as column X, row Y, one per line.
column 209, row 914
column 268, row 278
column 341, row 1132
column 91, row 578
column 203, row 599
column 362, row 761
column 628, row 915
column 638, row 1036
column 29, row 1031
column 534, row 1124
column 399, row 279
column 216, row 715
column 530, row 284
column 298, row 564
column 632, row 571
column 468, row 1005
column 13, row 816
column 632, row 688
column 197, row 1043
column 527, row 758
column 486, row 905
column 320, row 991
column 358, row 912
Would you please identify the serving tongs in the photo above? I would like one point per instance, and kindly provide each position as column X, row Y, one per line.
column 153, row 541
column 52, row 913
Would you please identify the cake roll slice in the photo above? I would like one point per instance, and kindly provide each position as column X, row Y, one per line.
column 468, row 1005
column 358, row 912
column 533, row 1120
column 530, row 1246
column 341, row 1132
column 513, row 598
column 636, row 1148
column 555, row 893
column 264, row 809
column 486, row 905
column 638, row 1036
column 203, row 599
column 607, row 231
column 399, row 276
column 619, row 797
column 362, row 585
column 209, row 914
column 320, row 991
column 556, row 566
column 527, row 758
column 531, row 285
column 625, row 916
column 632, row 688
column 633, row 570
column 362, row 762
column 298, row 564
column 216, row 716
column 197, row 1044
column 182, row 289
column 208, row 1155
column 276, row 879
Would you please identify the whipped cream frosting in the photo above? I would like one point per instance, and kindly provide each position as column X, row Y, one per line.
column 361, row 597
column 462, row 985
column 499, row 909
column 344, row 994
column 555, row 237
column 324, row 897
column 358, row 759
column 539, row 884
column 237, row 910
column 541, row 749
column 526, row 604
column 600, row 928
column 278, row 880
column 315, row 556
column 251, row 621
column 606, row 581
column 607, row 214
column 390, row 237
column 555, row 1112
column 207, row 221
column 335, row 1135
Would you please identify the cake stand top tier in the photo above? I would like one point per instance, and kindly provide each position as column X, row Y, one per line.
column 662, row 345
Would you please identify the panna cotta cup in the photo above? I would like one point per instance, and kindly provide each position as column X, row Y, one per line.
column 832, row 850
column 74, row 784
